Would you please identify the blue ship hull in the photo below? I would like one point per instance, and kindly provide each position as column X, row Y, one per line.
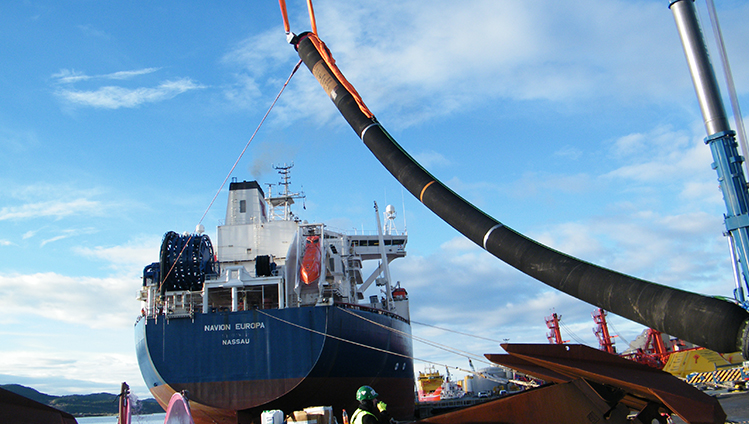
column 238, row 364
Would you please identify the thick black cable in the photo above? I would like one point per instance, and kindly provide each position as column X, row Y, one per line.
column 705, row 321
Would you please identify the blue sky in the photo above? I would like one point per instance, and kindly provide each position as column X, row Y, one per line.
column 574, row 123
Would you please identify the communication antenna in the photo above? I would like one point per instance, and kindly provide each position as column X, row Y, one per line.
column 390, row 220
column 280, row 204
column 403, row 201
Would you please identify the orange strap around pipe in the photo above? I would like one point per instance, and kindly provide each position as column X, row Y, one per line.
column 326, row 56
column 325, row 53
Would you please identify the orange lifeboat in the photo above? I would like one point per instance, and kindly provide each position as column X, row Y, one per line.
column 309, row 271
column 400, row 294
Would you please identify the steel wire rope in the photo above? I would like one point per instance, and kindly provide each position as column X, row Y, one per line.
column 421, row 339
column 728, row 75
column 360, row 344
column 293, row 71
column 228, row 175
column 457, row 332
column 437, row 345
column 574, row 336
column 337, row 338
column 440, row 346
column 618, row 334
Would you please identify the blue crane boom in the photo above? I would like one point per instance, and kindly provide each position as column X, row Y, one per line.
column 721, row 139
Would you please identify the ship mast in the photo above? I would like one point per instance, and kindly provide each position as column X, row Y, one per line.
column 280, row 205
column 385, row 264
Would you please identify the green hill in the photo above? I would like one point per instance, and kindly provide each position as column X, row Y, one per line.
column 84, row 405
column 28, row 392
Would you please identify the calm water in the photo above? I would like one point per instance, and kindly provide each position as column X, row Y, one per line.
column 112, row 419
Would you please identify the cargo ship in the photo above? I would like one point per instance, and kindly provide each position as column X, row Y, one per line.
column 275, row 317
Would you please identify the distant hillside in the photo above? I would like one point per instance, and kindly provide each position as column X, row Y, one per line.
column 84, row 405
column 28, row 392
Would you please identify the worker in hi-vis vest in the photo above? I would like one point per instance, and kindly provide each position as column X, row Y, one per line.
column 371, row 411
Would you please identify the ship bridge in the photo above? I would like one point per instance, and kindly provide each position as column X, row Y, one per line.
column 368, row 246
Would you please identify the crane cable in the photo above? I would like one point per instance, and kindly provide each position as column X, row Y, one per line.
column 247, row 145
column 728, row 75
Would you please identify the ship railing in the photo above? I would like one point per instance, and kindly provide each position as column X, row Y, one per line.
column 238, row 282
column 181, row 304
column 364, row 308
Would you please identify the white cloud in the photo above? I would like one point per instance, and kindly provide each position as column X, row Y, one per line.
column 53, row 208
column 244, row 92
column 259, row 53
column 113, row 97
column 451, row 56
column 53, row 239
column 73, row 364
column 29, row 234
column 17, row 141
column 93, row 32
column 659, row 154
column 69, row 76
column 430, row 159
column 122, row 75
column 67, row 234
column 77, row 369
column 77, row 330
column 91, row 302
column 569, row 153
column 44, row 190
column 133, row 255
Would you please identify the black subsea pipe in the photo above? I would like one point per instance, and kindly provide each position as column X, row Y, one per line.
column 705, row 321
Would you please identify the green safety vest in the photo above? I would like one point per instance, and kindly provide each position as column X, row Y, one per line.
column 358, row 417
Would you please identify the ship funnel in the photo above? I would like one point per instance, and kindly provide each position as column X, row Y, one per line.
column 246, row 204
